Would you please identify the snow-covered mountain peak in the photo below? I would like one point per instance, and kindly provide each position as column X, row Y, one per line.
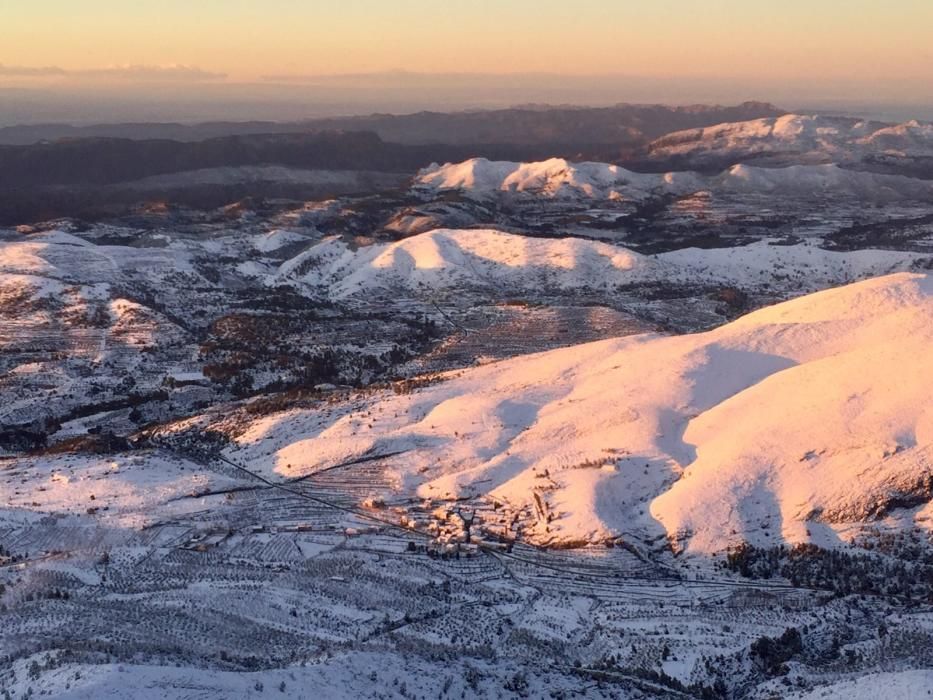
column 555, row 176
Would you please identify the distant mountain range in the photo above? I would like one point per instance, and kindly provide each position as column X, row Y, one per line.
column 622, row 124
column 557, row 178
column 90, row 171
column 799, row 139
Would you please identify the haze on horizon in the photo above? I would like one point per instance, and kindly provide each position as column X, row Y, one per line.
column 284, row 59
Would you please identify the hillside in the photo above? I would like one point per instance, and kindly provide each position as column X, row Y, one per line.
column 457, row 261
column 801, row 139
column 558, row 178
column 787, row 425
column 448, row 260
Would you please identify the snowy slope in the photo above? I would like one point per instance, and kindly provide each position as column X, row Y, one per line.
column 446, row 260
column 797, row 268
column 793, row 413
column 808, row 138
column 560, row 179
column 275, row 240
column 892, row 684
column 815, row 180
column 65, row 257
column 342, row 676
column 554, row 178
column 831, row 438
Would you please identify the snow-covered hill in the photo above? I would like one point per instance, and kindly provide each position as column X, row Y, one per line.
column 447, row 260
column 559, row 179
column 555, row 177
column 785, row 425
column 800, row 138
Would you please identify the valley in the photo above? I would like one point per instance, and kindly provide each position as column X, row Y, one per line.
column 479, row 429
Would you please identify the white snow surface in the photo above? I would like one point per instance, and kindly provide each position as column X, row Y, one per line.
column 560, row 179
column 274, row 240
column 555, row 177
column 773, row 428
column 343, row 676
column 809, row 137
column 448, row 260
column 905, row 685
column 454, row 259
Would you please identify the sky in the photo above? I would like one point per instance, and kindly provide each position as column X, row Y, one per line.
column 874, row 50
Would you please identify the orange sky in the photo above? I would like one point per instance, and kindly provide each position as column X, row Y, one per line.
column 854, row 42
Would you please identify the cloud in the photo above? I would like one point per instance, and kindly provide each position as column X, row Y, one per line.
column 143, row 72
column 390, row 75
column 172, row 74
column 31, row 71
